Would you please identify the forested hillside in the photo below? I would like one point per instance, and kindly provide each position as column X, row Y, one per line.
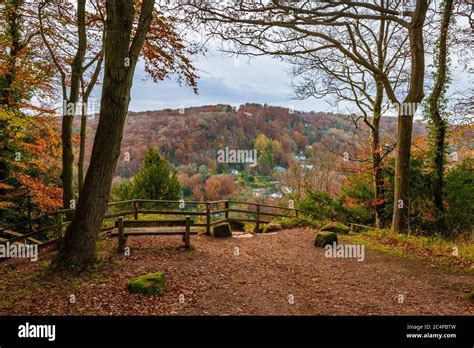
column 191, row 137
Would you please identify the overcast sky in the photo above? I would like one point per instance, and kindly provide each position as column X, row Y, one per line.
column 223, row 80
column 226, row 80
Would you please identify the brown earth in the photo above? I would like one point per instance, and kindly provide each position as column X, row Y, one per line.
column 271, row 274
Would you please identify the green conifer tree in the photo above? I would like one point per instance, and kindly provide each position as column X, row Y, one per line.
column 154, row 180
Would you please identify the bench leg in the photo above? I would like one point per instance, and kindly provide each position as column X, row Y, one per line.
column 121, row 239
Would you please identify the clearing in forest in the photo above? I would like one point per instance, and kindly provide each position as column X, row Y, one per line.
column 267, row 274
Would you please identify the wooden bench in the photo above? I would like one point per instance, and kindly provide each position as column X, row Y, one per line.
column 123, row 234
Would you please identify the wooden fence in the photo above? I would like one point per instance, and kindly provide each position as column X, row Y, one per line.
column 207, row 214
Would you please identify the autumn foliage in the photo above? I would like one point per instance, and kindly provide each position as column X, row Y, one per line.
column 29, row 141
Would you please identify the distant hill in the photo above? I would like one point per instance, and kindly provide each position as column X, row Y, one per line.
column 191, row 137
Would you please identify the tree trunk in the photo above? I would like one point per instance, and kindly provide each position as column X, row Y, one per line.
column 67, row 161
column 82, row 150
column 401, row 204
column 69, row 109
column 378, row 177
column 438, row 170
column 78, row 247
column 438, row 123
column 85, row 100
column 401, row 201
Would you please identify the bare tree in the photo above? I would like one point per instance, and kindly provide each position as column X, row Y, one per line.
column 54, row 40
column 95, row 64
column 272, row 27
column 328, row 73
column 321, row 174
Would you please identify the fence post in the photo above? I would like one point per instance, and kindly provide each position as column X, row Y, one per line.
column 187, row 232
column 121, row 241
column 296, row 213
column 61, row 220
column 227, row 210
column 257, row 222
column 208, row 219
column 135, row 210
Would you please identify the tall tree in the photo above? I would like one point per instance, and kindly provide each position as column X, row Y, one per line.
column 406, row 112
column 436, row 117
column 70, row 100
column 121, row 56
column 327, row 73
column 127, row 35
column 95, row 22
column 86, row 90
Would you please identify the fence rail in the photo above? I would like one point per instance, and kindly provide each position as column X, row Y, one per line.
column 207, row 217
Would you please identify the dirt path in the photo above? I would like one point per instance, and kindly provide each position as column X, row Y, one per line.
column 272, row 274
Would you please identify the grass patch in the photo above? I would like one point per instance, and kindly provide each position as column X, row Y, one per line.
column 372, row 244
column 249, row 227
column 438, row 250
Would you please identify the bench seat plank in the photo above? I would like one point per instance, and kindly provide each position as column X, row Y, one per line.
column 152, row 223
column 153, row 233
